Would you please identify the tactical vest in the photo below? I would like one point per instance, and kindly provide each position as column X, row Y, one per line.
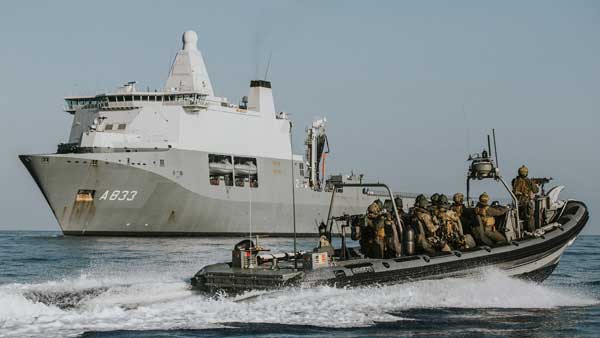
column 425, row 218
column 488, row 221
column 458, row 209
column 523, row 188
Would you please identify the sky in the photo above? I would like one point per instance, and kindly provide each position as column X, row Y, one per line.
column 409, row 88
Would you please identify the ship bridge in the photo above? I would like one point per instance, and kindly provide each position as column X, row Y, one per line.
column 185, row 114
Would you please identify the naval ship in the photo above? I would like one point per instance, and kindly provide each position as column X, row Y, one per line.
column 185, row 162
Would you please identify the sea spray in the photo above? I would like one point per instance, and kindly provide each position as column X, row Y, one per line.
column 127, row 303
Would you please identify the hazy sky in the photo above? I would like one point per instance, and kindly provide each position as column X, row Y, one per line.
column 408, row 88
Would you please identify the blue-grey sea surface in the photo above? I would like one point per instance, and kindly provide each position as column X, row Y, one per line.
column 57, row 286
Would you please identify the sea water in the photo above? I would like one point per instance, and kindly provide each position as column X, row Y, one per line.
column 57, row 286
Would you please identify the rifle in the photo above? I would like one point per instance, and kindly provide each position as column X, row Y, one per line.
column 541, row 181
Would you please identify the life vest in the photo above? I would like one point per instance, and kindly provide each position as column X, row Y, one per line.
column 488, row 221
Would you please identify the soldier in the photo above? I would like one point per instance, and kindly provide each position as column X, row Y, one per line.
column 374, row 243
column 403, row 215
column 427, row 239
column 391, row 230
column 525, row 190
column 486, row 232
column 451, row 230
column 458, row 206
column 434, row 201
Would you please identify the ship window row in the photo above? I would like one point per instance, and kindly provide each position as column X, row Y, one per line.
column 117, row 126
column 101, row 101
column 230, row 170
column 155, row 97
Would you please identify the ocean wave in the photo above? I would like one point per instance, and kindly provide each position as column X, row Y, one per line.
column 147, row 302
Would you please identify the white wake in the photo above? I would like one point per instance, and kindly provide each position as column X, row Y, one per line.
column 161, row 301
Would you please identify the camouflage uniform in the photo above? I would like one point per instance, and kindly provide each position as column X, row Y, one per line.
column 486, row 232
column 451, row 229
column 373, row 245
column 458, row 206
column 427, row 239
column 525, row 189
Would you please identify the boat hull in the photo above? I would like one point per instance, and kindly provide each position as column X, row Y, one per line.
column 532, row 259
column 169, row 193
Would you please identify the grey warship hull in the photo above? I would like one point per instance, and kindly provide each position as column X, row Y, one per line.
column 168, row 193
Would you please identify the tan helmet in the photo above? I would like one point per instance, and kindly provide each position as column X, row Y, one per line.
column 484, row 198
column 523, row 171
column 374, row 208
column 458, row 198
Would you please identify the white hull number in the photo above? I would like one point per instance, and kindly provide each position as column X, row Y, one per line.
column 118, row 195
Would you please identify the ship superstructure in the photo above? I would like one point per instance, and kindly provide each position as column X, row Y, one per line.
column 183, row 161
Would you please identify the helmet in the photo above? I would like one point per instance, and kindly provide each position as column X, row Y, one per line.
column 387, row 205
column 434, row 198
column 379, row 203
column 374, row 208
column 421, row 201
column 442, row 200
column 458, row 197
column 484, row 198
column 523, row 171
column 398, row 202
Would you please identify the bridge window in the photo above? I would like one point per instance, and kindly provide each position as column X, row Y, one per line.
column 122, row 126
column 108, row 127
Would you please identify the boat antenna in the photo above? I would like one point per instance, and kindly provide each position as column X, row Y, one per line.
column 489, row 146
column 495, row 148
column 250, row 204
column 268, row 65
column 293, row 198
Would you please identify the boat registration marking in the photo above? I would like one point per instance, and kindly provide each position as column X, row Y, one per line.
column 118, row 195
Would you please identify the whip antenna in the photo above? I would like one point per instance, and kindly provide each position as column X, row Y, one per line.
column 293, row 198
column 495, row 149
column 268, row 65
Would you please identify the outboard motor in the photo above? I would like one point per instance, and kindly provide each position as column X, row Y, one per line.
column 409, row 241
column 244, row 255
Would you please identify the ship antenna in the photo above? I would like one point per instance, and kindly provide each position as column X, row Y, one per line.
column 268, row 67
column 293, row 198
column 495, row 149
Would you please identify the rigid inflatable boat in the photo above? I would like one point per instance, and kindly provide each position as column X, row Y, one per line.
column 530, row 255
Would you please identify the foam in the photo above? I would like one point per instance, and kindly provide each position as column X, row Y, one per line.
column 163, row 301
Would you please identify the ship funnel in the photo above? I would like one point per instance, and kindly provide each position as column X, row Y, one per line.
column 261, row 97
column 188, row 71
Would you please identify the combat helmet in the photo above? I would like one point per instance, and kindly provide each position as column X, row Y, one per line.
column 523, row 171
column 374, row 208
column 421, row 201
column 434, row 199
column 398, row 202
column 387, row 205
column 458, row 198
column 443, row 201
column 484, row 198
